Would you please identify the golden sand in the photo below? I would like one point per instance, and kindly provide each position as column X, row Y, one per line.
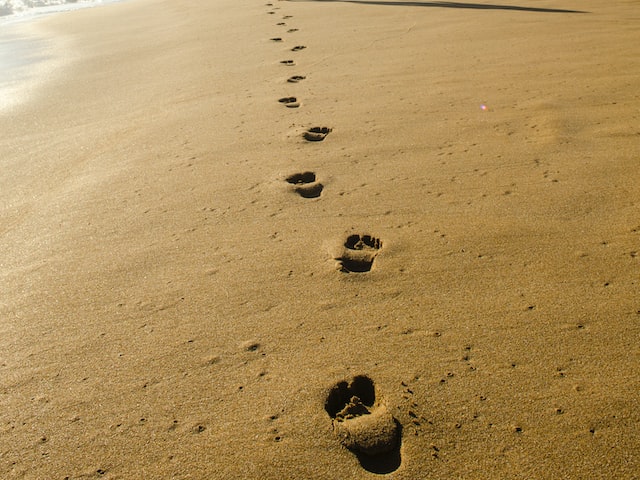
column 438, row 227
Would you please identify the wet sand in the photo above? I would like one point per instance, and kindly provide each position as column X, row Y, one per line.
column 427, row 251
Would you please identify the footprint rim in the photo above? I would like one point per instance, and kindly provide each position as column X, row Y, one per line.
column 355, row 265
column 301, row 178
column 289, row 102
column 306, row 184
column 342, row 392
column 361, row 242
column 310, row 190
column 316, row 134
column 296, row 78
column 362, row 424
column 359, row 254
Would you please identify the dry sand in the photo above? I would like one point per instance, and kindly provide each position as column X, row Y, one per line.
column 171, row 307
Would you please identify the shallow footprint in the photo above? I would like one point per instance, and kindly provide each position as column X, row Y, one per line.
column 361, row 423
column 306, row 185
column 316, row 134
column 290, row 102
column 288, row 63
column 359, row 253
column 291, row 30
column 297, row 48
column 295, row 79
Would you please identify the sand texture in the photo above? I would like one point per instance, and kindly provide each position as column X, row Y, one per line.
column 408, row 250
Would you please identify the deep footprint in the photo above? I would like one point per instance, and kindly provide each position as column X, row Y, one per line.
column 295, row 79
column 306, row 185
column 292, row 30
column 316, row 134
column 288, row 63
column 362, row 424
column 297, row 48
column 359, row 253
column 290, row 102
column 276, row 39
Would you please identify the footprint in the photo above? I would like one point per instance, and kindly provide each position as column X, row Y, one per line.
column 361, row 423
column 292, row 30
column 316, row 134
column 286, row 17
column 306, row 185
column 288, row 63
column 297, row 48
column 290, row 102
column 276, row 39
column 359, row 253
column 295, row 79
column 280, row 23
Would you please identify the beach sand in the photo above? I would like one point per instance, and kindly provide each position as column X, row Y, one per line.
column 180, row 286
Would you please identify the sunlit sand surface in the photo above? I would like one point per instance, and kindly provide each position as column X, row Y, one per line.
column 408, row 249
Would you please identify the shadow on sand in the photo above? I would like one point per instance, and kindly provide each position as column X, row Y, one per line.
column 385, row 463
column 478, row 6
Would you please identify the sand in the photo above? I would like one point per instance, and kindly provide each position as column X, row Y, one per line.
column 186, row 279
